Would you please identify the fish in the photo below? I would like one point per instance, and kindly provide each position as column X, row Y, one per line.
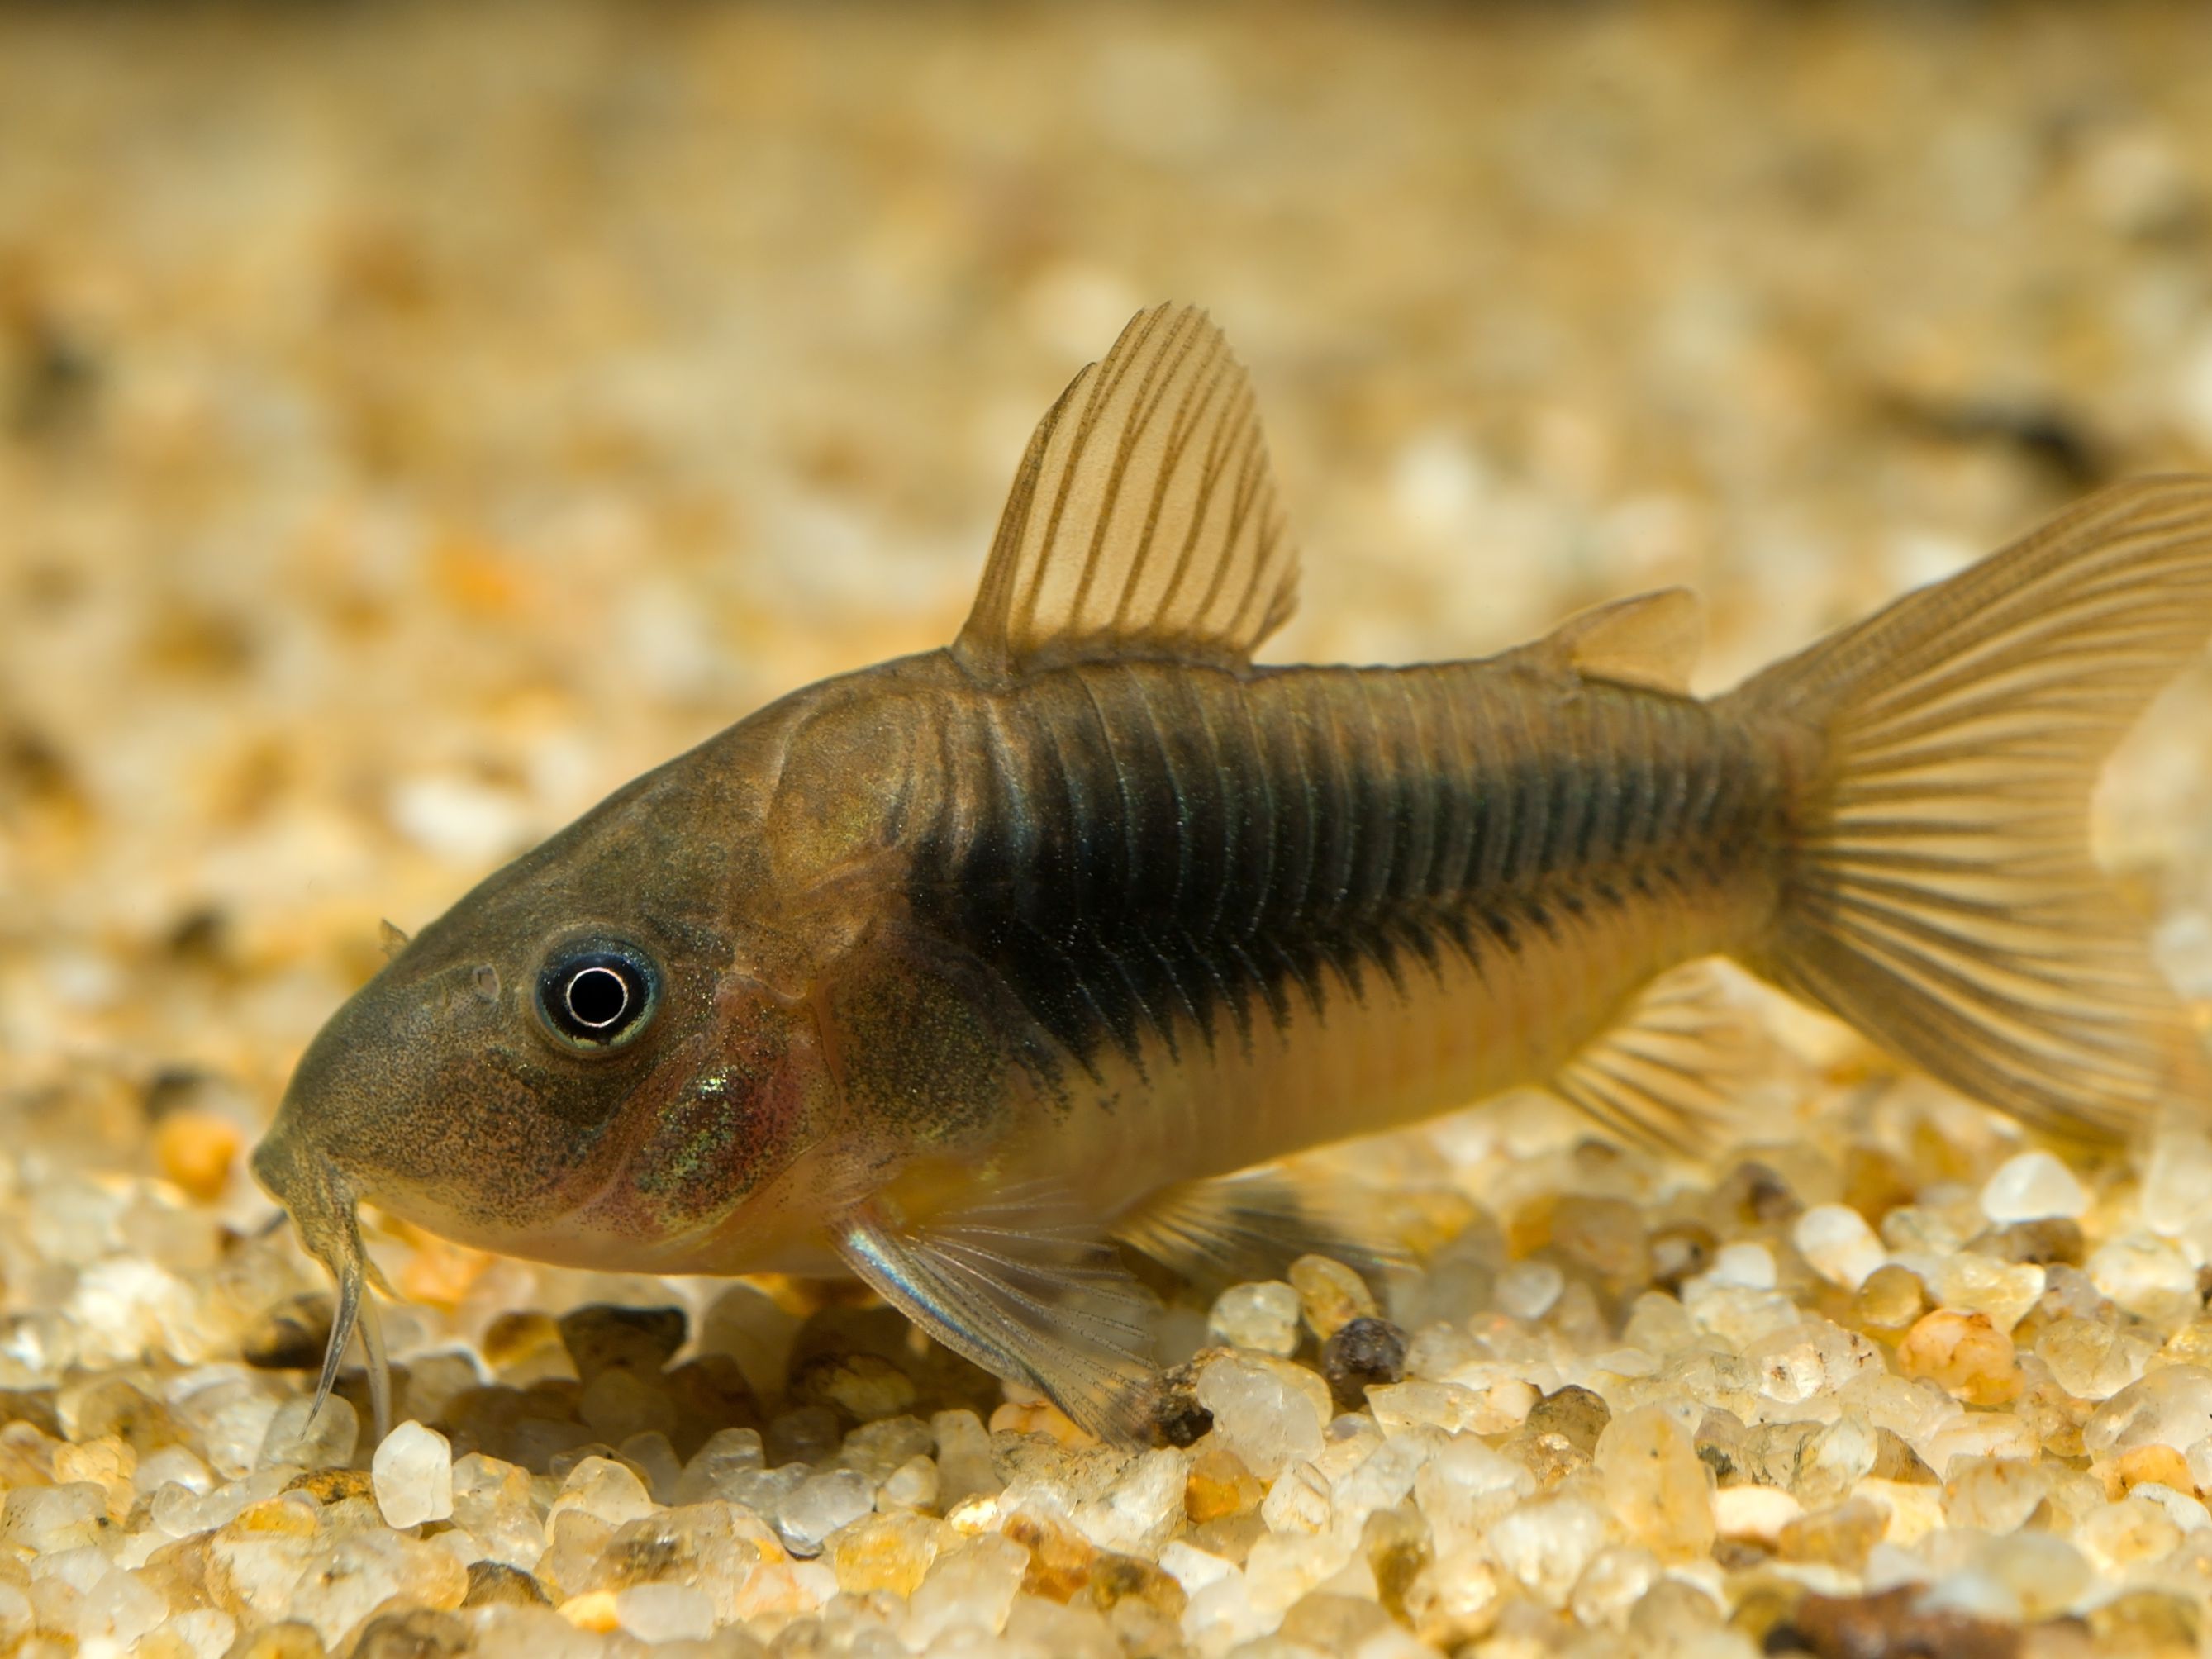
column 965, row 974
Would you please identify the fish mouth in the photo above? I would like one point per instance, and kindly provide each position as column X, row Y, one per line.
column 322, row 1204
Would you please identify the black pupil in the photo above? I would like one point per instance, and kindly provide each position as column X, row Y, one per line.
column 598, row 997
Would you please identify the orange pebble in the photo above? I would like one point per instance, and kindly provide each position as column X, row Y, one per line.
column 441, row 1273
column 2158, row 1463
column 1038, row 1417
column 196, row 1150
column 1964, row 1353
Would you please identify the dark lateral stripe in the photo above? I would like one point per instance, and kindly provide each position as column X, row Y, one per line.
column 1142, row 848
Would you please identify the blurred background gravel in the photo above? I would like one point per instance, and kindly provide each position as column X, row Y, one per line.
column 416, row 420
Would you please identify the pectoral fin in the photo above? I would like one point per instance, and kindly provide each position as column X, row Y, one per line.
column 1024, row 1292
column 1251, row 1226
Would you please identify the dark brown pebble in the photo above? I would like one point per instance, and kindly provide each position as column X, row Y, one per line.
column 601, row 1336
column 332, row 1486
column 494, row 1583
column 1887, row 1627
column 415, row 1633
column 32, row 1406
column 1680, row 1251
column 1177, row 1418
column 291, row 1335
column 1362, row 1353
column 1575, row 1414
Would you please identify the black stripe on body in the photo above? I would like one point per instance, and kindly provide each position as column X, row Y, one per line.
column 1144, row 848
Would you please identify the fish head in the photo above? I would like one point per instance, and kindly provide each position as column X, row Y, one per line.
column 583, row 1061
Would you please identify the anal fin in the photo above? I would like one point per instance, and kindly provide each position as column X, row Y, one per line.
column 1250, row 1226
column 1672, row 1071
column 1022, row 1287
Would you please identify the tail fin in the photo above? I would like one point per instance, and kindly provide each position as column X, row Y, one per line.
column 1943, row 898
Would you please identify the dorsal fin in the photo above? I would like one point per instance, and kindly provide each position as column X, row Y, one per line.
column 1143, row 520
column 1651, row 640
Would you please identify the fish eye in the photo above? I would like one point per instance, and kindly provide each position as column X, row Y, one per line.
column 597, row 996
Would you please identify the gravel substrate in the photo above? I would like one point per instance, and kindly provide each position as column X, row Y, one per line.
column 414, row 421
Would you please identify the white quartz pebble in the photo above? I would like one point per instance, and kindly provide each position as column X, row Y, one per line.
column 1837, row 1245
column 413, row 1475
column 2032, row 1188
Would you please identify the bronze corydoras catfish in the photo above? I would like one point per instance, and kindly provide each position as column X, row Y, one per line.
column 948, row 972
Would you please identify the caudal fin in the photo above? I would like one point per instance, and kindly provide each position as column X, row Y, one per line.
column 1943, row 898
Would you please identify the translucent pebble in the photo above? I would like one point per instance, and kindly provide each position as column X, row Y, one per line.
column 652, row 1455
column 1992, row 1494
column 1527, row 1290
column 1737, row 1313
column 727, row 1453
column 664, row 1612
column 1747, row 1266
column 1455, row 1600
column 1330, row 1295
column 1266, row 1411
column 171, row 1466
column 1837, row 1245
column 2030, row 1187
column 1548, row 1544
column 1464, row 1487
column 492, row 1502
column 1219, row 1617
column 820, row 1504
column 1613, row 1581
column 1482, row 1399
column 327, row 1443
column 1811, row 1359
column 1979, row 1434
column 2046, row 1574
column 202, row 1632
column 2091, row 1358
column 1840, row 1536
column 913, row 1485
column 1144, row 1507
column 1194, row 1568
column 1659, row 1492
column 2119, row 1534
column 1298, row 1502
column 413, row 1476
column 2177, row 1186
column 48, row 1519
column 236, row 1430
column 875, row 1448
column 1280, row 1568
column 346, row 1580
column 1263, row 1317
column 1756, row 1513
column 608, row 1492
column 1975, row 1283
column 973, row 1584
column 965, row 1466
column 2147, row 1275
column 2170, row 1407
